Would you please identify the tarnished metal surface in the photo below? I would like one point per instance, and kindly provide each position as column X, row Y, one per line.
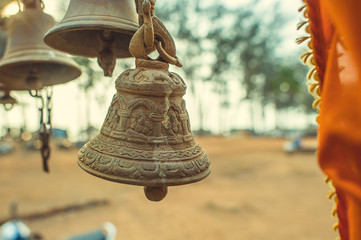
column 27, row 62
column 96, row 28
column 146, row 138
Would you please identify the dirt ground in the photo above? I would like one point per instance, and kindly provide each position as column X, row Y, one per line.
column 255, row 192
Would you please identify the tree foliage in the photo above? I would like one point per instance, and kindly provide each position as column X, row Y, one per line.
column 221, row 45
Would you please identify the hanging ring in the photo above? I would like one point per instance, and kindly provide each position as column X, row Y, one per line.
column 36, row 94
column 8, row 106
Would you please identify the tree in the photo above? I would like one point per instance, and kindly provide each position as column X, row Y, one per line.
column 184, row 20
column 224, row 44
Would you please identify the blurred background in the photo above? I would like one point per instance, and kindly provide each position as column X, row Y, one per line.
column 249, row 108
column 240, row 62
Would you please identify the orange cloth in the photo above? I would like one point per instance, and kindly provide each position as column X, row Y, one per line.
column 340, row 113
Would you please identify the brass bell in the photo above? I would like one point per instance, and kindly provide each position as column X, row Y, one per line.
column 6, row 99
column 146, row 137
column 27, row 62
column 96, row 28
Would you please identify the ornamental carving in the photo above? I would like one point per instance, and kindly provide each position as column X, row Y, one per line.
column 146, row 138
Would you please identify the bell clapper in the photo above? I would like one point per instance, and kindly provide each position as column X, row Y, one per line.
column 32, row 80
column 155, row 194
column 106, row 57
column 8, row 101
column 106, row 35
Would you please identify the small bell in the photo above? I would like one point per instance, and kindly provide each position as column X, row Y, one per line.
column 96, row 28
column 146, row 137
column 27, row 62
column 6, row 99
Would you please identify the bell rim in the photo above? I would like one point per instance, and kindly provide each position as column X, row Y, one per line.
column 19, row 87
column 101, row 22
column 13, row 87
column 149, row 183
column 53, row 36
column 20, row 61
column 155, row 182
column 5, row 67
column 4, row 86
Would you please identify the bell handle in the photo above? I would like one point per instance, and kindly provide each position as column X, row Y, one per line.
column 34, row 93
column 168, row 58
column 151, row 35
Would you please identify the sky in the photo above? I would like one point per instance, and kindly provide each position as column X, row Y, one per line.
column 69, row 111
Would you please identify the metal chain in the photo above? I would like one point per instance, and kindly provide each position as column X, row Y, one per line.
column 42, row 4
column 45, row 126
column 45, row 130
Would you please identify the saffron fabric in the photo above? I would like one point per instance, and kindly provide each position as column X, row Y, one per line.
column 339, row 152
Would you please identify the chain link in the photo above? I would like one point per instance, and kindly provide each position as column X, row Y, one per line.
column 45, row 106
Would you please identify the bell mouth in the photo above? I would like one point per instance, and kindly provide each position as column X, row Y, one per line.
column 192, row 165
column 32, row 82
column 51, row 72
column 84, row 39
column 26, row 50
column 8, row 100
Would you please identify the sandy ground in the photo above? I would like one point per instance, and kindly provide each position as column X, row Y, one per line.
column 255, row 192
